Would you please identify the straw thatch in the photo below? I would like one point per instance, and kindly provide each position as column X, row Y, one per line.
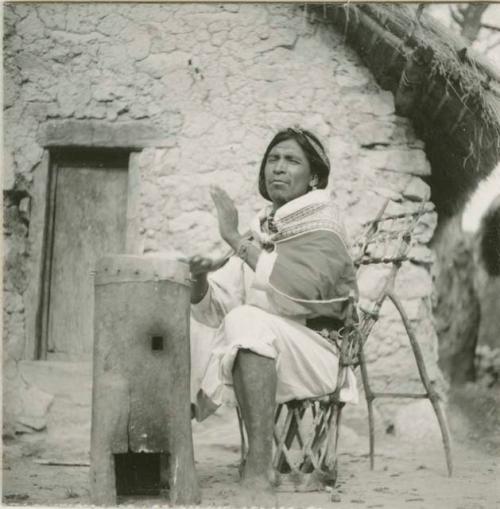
column 451, row 94
column 490, row 238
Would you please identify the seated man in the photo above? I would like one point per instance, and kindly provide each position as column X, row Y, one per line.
column 292, row 273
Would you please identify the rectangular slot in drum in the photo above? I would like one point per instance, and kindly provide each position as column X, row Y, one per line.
column 156, row 343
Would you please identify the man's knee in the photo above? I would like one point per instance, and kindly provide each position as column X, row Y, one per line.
column 241, row 316
column 246, row 323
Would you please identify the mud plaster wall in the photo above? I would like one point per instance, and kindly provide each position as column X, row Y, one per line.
column 215, row 81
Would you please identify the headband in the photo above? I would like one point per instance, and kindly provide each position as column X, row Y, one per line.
column 314, row 144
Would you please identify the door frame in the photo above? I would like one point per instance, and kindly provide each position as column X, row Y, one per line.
column 131, row 136
column 48, row 245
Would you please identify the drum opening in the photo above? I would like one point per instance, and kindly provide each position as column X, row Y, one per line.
column 140, row 474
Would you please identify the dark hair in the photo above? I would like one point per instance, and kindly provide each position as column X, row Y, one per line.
column 318, row 165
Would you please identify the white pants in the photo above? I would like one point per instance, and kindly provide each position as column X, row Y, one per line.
column 306, row 363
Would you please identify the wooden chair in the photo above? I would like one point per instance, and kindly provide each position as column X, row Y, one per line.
column 306, row 432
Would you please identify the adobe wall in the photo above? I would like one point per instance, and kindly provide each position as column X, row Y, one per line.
column 214, row 82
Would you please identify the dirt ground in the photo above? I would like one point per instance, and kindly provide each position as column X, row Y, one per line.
column 409, row 472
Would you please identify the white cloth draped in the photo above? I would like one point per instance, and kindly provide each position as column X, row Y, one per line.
column 243, row 308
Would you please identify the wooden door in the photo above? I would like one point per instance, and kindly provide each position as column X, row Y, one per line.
column 88, row 206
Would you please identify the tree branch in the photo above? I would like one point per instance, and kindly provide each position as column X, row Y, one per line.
column 490, row 27
column 491, row 46
column 420, row 10
column 455, row 15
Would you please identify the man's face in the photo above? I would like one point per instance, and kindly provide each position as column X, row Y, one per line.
column 287, row 172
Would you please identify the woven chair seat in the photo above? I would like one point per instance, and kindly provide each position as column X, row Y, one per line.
column 305, row 438
column 305, row 442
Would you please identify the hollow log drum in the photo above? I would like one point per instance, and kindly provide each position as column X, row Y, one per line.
column 141, row 398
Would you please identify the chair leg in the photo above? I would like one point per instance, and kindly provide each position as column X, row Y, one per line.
column 338, row 419
column 369, row 396
column 327, row 465
column 424, row 377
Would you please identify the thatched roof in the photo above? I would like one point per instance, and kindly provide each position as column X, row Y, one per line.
column 490, row 238
column 451, row 94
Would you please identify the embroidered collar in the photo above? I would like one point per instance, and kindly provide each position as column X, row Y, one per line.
column 259, row 226
column 311, row 198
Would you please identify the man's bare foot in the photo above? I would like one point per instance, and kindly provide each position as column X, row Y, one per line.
column 257, row 491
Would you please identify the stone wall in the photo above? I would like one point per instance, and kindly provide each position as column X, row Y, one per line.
column 216, row 81
column 488, row 342
column 457, row 305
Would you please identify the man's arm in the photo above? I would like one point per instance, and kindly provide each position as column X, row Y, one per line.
column 199, row 288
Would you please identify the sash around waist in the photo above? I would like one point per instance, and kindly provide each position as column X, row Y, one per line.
column 324, row 322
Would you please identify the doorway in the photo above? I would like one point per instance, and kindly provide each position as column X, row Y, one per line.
column 86, row 219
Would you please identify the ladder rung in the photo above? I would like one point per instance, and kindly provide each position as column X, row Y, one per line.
column 398, row 395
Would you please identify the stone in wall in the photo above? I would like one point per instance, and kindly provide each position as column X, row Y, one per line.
column 26, row 407
column 15, row 252
column 35, row 405
column 456, row 302
column 413, row 282
column 416, row 422
column 400, row 160
column 417, row 190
